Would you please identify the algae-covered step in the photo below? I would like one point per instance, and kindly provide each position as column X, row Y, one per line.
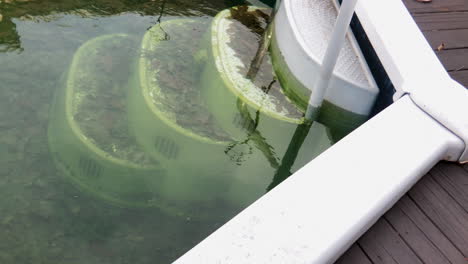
column 171, row 122
column 255, row 111
column 243, row 105
column 88, row 129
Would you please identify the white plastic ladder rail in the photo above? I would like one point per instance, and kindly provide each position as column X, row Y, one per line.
column 331, row 56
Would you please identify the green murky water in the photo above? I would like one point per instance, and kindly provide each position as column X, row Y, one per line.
column 44, row 217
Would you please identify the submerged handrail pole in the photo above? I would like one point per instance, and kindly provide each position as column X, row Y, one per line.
column 263, row 46
column 313, row 109
column 330, row 58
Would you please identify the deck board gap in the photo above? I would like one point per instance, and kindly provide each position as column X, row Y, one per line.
column 462, row 70
column 430, row 230
column 437, row 12
column 403, row 239
column 454, row 184
column 415, row 237
column 448, row 238
column 365, row 253
column 432, row 221
column 442, row 29
column 446, row 218
column 458, row 48
column 449, row 193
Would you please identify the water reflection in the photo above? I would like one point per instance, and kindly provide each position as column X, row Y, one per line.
column 253, row 137
column 14, row 12
column 284, row 170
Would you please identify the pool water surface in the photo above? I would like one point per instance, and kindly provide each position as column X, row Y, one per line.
column 49, row 213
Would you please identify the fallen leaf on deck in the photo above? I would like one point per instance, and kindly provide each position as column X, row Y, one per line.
column 441, row 47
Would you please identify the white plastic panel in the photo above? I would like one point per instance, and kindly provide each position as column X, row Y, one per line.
column 413, row 66
column 312, row 22
column 352, row 86
column 317, row 213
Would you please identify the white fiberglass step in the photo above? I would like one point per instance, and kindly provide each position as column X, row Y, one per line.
column 302, row 32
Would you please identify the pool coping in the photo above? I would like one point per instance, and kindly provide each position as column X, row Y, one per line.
column 317, row 213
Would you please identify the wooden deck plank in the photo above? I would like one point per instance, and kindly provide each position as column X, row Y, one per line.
column 436, row 6
column 383, row 245
column 454, row 179
column 452, row 39
column 443, row 211
column 354, row 255
column 461, row 77
column 441, row 21
column 454, row 60
column 414, row 237
column 432, row 232
column 430, row 223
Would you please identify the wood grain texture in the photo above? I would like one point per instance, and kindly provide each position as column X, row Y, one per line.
column 354, row 255
column 414, row 237
column 462, row 78
column 436, row 6
column 441, row 21
column 443, row 210
column 454, row 60
column 454, row 179
column 430, row 223
column 452, row 39
column 383, row 245
column 431, row 232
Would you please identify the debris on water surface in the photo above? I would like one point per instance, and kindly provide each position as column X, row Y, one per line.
column 245, row 33
column 100, row 98
column 176, row 73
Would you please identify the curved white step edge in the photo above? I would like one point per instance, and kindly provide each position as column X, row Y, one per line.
column 413, row 66
column 317, row 213
column 352, row 85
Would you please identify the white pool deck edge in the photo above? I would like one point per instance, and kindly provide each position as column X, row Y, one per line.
column 317, row 213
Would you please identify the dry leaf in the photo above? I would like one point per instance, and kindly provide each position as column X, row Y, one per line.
column 441, row 47
column 1, row 17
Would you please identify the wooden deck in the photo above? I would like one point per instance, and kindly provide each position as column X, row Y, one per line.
column 430, row 223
